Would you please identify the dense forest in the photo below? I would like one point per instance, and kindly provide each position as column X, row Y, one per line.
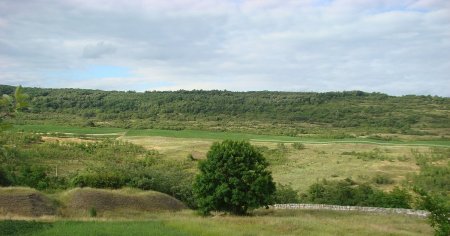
column 291, row 113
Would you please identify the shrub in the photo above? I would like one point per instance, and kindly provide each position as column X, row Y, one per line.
column 286, row 194
column 92, row 212
column 298, row 146
column 4, row 180
column 103, row 179
column 348, row 192
column 382, row 179
column 190, row 157
column 22, row 227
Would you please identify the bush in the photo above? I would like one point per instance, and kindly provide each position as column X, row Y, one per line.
column 286, row 194
column 22, row 227
column 190, row 157
column 298, row 146
column 382, row 179
column 92, row 212
column 349, row 193
column 4, row 180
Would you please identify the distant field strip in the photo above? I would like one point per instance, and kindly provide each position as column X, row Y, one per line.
column 70, row 130
column 356, row 141
column 200, row 134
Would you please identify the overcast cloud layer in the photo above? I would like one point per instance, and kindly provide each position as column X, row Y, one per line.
column 396, row 47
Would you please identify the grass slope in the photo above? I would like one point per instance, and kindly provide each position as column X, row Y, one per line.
column 78, row 201
column 27, row 202
column 19, row 201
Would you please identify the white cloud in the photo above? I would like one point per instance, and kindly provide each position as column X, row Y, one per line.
column 398, row 47
column 98, row 50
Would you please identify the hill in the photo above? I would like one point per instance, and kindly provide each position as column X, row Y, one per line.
column 262, row 112
column 19, row 201
column 77, row 202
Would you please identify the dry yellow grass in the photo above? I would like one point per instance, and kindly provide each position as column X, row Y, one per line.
column 301, row 168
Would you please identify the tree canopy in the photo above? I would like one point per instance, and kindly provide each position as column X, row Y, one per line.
column 9, row 105
column 234, row 178
column 281, row 113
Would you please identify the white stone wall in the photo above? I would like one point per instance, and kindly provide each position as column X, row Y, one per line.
column 411, row 212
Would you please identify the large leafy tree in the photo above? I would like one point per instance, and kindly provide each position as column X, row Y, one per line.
column 234, row 178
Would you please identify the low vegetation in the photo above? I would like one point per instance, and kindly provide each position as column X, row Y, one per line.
column 50, row 166
column 349, row 193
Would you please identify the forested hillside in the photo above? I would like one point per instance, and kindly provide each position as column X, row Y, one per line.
column 290, row 113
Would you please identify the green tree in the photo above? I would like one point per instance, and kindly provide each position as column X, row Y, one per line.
column 234, row 178
column 439, row 209
column 10, row 105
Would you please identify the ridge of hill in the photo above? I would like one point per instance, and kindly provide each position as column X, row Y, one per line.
column 262, row 112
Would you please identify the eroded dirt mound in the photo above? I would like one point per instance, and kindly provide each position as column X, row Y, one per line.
column 110, row 200
column 25, row 202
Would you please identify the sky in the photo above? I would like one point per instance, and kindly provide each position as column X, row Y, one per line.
column 397, row 47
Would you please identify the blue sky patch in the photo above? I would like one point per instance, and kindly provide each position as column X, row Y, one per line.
column 92, row 72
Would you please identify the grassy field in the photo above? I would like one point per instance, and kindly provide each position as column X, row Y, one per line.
column 321, row 158
column 301, row 168
column 199, row 134
column 263, row 222
column 359, row 158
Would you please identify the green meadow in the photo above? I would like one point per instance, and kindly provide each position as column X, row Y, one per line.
column 217, row 135
column 264, row 222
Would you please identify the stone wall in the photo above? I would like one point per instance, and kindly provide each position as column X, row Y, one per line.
column 411, row 212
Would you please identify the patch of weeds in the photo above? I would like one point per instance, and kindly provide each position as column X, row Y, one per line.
column 403, row 158
column 375, row 154
column 382, row 179
column 275, row 156
column 298, row 146
column 190, row 157
column 93, row 212
column 22, row 227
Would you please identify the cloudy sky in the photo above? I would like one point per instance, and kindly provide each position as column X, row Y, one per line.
column 391, row 46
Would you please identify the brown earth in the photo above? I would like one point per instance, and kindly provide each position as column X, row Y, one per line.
column 83, row 199
column 25, row 202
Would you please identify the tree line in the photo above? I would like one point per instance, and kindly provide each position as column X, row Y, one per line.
column 150, row 109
